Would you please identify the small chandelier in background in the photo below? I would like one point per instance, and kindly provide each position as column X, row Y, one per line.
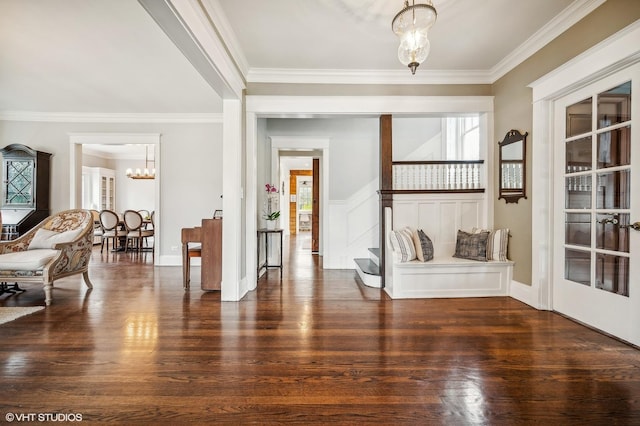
column 146, row 173
column 412, row 25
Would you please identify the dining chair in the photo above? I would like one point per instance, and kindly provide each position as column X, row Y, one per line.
column 110, row 223
column 191, row 247
column 134, row 226
column 97, row 226
column 152, row 218
column 146, row 217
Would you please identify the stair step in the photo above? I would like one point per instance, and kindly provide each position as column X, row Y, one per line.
column 375, row 252
column 368, row 266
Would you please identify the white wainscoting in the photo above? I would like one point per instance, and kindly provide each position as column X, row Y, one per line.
column 353, row 228
column 440, row 216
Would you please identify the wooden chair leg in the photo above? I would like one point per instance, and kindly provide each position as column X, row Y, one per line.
column 185, row 268
column 47, row 293
column 87, row 281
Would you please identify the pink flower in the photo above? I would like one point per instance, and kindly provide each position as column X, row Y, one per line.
column 270, row 188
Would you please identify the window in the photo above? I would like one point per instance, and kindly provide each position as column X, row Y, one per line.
column 462, row 138
column 304, row 196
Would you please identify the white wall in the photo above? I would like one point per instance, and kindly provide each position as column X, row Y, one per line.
column 89, row 160
column 190, row 168
column 133, row 194
column 417, row 138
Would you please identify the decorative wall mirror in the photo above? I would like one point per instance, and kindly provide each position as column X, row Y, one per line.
column 513, row 166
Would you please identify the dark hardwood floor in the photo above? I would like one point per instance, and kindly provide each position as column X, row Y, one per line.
column 314, row 347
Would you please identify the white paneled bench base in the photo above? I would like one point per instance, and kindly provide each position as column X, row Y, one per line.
column 449, row 277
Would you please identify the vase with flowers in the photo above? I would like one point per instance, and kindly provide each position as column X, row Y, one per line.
column 271, row 210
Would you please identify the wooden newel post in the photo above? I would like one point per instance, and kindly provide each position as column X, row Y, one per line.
column 386, row 186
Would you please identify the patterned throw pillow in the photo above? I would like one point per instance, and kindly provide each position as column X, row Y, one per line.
column 402, row 244
column 472, row 246
column 426, row 245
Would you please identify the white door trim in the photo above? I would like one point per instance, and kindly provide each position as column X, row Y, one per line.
column 307, row 144
column 616, row 52
column 76, row 140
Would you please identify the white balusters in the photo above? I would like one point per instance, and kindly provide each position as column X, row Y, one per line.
column 447, row 176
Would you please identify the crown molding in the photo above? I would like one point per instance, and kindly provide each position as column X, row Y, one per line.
column 96, row 117
column 559, row 24
column 337, row 76
column 227, row 35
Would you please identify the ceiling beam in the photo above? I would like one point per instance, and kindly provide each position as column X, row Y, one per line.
column 190, row 28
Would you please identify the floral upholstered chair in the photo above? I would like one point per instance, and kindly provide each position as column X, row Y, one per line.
column 57, row 247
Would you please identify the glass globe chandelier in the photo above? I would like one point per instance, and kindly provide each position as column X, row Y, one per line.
column 412, row 24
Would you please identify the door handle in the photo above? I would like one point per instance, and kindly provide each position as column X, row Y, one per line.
column 613, row 221
column 635, row 226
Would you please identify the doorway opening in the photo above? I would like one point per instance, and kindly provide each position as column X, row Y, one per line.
column 120, row 146
column 300, row 198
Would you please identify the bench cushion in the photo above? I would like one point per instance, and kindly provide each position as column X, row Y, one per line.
column 28, row 260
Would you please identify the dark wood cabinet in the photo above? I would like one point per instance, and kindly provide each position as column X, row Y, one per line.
column 26, row 191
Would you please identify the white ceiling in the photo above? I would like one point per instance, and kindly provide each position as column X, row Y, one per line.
column 109, row 56
column 106, row 56
column 469, row 35
column 121, row 152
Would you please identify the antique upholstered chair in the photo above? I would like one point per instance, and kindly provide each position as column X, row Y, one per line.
column 57, row 247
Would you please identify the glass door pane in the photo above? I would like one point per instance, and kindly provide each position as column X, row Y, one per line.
column 598, row 151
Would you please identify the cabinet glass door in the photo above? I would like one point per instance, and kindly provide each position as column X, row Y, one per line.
column 19, row 183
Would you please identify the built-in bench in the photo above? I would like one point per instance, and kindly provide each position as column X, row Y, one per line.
column 440, row 216
column 448, row 277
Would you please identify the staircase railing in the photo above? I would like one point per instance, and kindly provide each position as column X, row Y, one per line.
column 438, row 176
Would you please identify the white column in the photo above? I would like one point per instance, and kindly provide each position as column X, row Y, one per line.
column 541, row 217
column 231, row 202
column 250, row 194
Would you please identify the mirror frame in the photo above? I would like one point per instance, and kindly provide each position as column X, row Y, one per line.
column 512, row 195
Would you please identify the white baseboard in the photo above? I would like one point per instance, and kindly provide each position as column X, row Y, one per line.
column 172, row 260
column 523, row 293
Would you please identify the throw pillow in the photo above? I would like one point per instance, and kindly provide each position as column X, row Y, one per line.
column 472, row 246
column 402, row 245
column 416, row 243
column 426, row 245
column 497, row 243
column 47, row 239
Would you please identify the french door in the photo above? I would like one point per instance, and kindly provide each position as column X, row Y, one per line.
column 596, row 268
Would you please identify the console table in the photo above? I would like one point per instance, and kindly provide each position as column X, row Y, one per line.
column 266, row 232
